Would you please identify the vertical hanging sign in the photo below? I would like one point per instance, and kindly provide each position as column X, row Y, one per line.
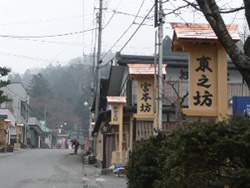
column 116, row 103
column 207, row 74
column 116, row 113
column 145, row 99
column 203, row 80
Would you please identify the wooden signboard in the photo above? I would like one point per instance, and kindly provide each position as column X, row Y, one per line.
column 116, row 114
column 208, row 95
column 145, row 98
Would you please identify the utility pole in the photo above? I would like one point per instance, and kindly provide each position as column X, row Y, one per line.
column 98, row 71
column 83, row 22
column 45, row 121
column 160, row 81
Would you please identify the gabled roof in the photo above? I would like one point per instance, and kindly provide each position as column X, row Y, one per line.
column 197, row 34
column 200, row 31
column 145, row 69
column 34, row 123
column 116, row 99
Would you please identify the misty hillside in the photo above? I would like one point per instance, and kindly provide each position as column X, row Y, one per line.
column 64, row 89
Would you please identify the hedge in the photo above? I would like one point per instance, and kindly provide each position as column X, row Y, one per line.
column 200, row 155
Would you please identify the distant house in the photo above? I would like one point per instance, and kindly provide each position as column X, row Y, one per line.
column 49, row 138
column 18, row 105
column 7, row 121
column 36, row 132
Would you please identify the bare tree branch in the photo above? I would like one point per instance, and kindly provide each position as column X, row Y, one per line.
column 177, row 9
column 222, row 11
column 173, row 87
column 183, row 98
column 211, row 11
column 232, row 10
column 247, row 11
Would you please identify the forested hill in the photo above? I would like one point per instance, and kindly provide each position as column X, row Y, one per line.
column 64, row 89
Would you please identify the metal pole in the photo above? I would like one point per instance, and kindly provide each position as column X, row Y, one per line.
column 155, row 72
column 45, row 121
column 83, row 54
column 155, row 85
column 98, row 71
column 160, row 40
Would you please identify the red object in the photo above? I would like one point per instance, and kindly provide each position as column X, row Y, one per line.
column 87, row 142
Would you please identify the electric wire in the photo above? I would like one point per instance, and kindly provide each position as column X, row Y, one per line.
column 30, row 58
column 47, row 36
column 46, row 41
column 136, row 30
column 41, row 21
column 131, row 35
column 112, row 16
column 128, row 14
column 124, row 33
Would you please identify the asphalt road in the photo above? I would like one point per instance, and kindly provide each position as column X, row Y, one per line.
column 40, row 168
column 51, row 168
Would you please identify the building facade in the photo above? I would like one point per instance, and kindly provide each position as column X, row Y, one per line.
column 18, row 105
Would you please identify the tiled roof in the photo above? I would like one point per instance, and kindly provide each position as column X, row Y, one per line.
column 118, row 99
column 200, row 31
column 145, row 69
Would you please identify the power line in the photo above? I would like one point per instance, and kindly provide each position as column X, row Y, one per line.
column 136, row 29
column 47, row 36
column 46, row 41
column 124, row 33
column 130, row 37
column 178, row 14
column 128, row 14
column 42, row 21
column 65, row 48
column 30, row 58
column 109, row 20
column 112, row 16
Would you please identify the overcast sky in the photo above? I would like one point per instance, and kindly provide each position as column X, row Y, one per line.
column 29, row 18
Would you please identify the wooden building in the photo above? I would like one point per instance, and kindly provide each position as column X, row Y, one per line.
column 132, row 77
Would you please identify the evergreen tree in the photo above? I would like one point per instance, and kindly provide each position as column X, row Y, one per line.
column 3, row 72
column 15, row 77
column 39, row 86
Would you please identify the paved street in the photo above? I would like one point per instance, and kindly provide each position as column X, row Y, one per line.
column 45, row 168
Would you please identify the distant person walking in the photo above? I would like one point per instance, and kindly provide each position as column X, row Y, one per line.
column 76, row 144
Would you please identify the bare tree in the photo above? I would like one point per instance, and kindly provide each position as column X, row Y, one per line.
column 241, row 59
column 179, row 99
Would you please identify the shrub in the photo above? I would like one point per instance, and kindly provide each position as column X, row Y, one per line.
column 201, row 155
column 143, row 163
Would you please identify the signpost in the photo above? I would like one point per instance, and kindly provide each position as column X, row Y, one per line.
column 117, row 104
column 146, row 93
column 207, row 68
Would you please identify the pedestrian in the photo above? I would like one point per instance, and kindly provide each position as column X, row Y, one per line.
column 76, row 144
